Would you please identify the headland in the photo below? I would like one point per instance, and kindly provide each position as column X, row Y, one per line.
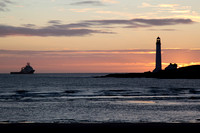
column 170, row 72
column 189, row 72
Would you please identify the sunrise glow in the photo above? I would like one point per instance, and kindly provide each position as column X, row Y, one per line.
column 59, row 36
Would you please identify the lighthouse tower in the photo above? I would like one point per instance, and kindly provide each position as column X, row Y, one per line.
column 158, row 56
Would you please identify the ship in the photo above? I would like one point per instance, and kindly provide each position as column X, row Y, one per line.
column 25, row 70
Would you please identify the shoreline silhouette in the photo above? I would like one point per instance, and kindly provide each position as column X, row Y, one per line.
column 189, row 72
column 170, row 72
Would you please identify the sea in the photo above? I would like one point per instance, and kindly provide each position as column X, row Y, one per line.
column 84, row 98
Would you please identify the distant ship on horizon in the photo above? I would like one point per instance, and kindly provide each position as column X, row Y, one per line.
column 25, row 70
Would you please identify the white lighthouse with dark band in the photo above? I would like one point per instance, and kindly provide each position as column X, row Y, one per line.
column 158, row 56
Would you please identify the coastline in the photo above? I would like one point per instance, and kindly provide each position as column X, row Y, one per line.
column 189, row 72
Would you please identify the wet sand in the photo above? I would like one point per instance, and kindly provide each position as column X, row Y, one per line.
column 100, row 127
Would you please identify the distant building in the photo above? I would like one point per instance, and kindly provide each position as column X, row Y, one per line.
column 171, row 66
column 158, row 56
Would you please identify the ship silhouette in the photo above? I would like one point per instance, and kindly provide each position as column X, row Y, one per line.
column 25, row 70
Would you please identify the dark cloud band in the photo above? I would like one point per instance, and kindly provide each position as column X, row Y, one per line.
column 44, row 32
column 89, row 2
column 86, row 27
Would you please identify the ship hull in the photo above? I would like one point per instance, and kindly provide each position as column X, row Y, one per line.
column 32, row 72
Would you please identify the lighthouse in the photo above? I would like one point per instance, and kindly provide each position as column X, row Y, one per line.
column 158, row 56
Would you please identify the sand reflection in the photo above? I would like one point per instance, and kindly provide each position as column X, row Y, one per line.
column 145, row 102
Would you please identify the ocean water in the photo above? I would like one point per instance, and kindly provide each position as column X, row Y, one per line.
column 81, row 98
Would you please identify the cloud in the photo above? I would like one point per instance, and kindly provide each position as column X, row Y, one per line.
column 139, row 23
column 28, row 25
column 110, row 1
column 78, row 52
column 145, row 5
column 95, row 2
column 162, row 29
column 89, row 2
column 4, row 4
column 169, row 8
column 54, row 22
column 181, row 11
column 86, row 27
column 160, row 22
column 45, row 31
column 169, row 54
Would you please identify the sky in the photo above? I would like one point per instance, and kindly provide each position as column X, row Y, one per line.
column 81, row 36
